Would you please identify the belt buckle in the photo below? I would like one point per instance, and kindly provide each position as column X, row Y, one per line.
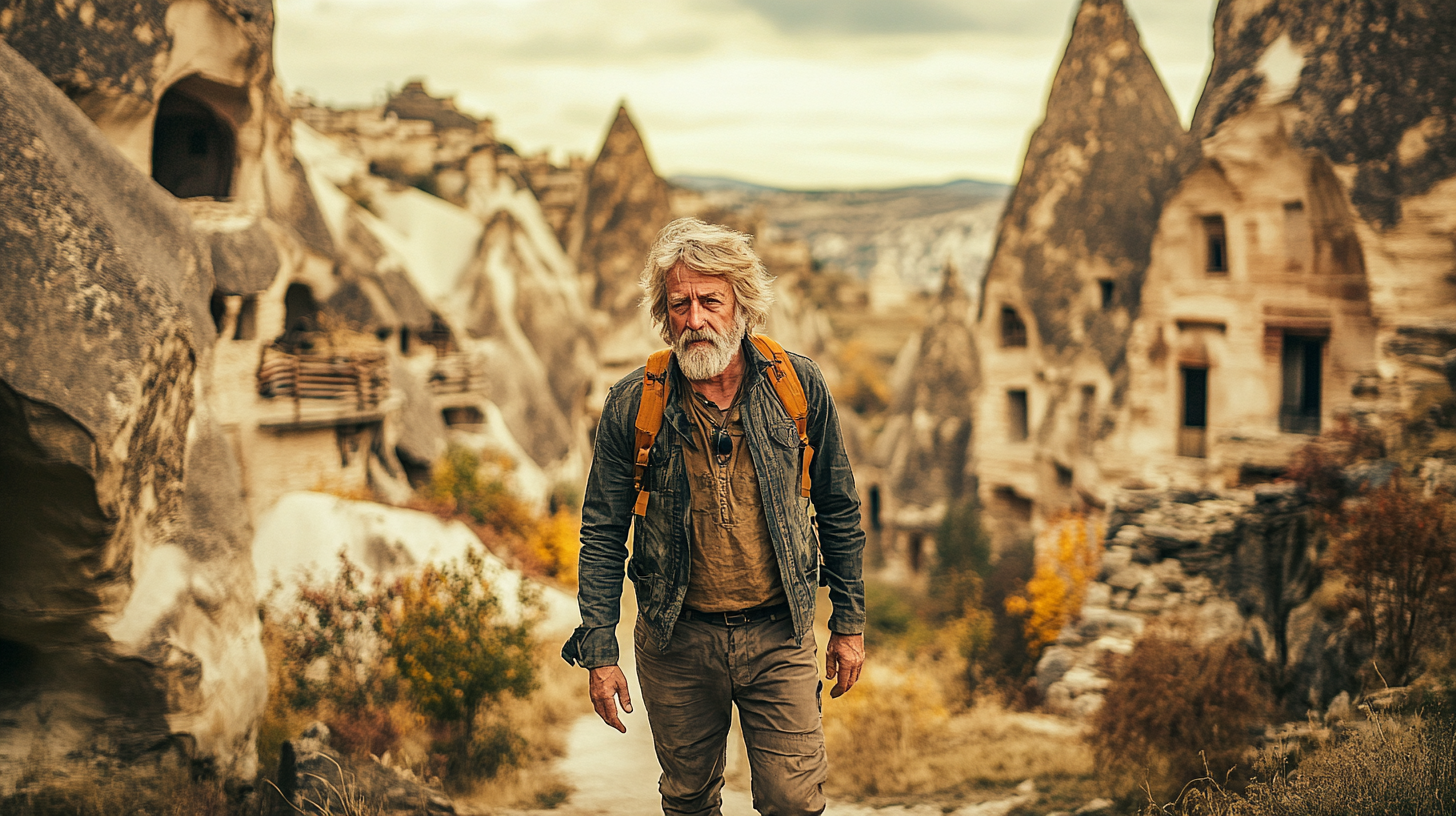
column 736, row 618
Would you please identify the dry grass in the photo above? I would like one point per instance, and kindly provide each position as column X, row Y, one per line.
column 1393, row 767
column 541, row 720
column 164, row 791
column 900, row 735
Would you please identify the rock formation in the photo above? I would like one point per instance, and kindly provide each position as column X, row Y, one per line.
column 519, row 344
column 1300, row 272
column 926, row 439
column 128, row 623
column 1242, row 565
column 622, row 207
column 1063, row 286
column 1374, row 86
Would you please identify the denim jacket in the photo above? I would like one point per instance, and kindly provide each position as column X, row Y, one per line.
column 659, row 563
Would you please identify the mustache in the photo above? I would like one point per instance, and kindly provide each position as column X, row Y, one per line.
column 693, row 335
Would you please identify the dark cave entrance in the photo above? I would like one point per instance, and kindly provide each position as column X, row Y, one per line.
column 194, row 141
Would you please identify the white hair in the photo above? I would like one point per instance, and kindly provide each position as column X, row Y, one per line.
column 708, row 249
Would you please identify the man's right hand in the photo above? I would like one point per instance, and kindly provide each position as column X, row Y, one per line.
column 606, row 684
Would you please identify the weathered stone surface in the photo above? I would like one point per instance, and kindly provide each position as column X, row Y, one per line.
column 1063, row 287
column 422, row 435
column 1375, row 85
column 127, row 588
column 244, row 260
column 623, row 207
column 927, row 460
column 1055, row 662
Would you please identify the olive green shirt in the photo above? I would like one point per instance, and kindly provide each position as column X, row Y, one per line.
column 733, row 561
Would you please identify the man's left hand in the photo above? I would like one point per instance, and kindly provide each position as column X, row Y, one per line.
column 843, row 659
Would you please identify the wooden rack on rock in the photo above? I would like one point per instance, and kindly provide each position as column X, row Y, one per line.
column 456, row 373
column 361, row 377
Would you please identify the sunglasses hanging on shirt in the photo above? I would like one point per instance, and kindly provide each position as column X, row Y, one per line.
column 723, row 443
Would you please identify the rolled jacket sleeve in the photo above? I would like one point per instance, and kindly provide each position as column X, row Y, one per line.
column 606, row 517
column 836, row 505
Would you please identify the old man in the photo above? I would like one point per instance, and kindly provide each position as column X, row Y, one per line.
column 715, row 454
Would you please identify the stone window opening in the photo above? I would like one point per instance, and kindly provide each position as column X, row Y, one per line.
column 1215, row 243
column 247, row 324
column 300, row 310
column 1084, row 416
column 1013, row 329
column 1017, row 416
column 1108, row 290
column 466, row 416
column 1013, row 504
column 874, row 506
column 1301, row 370
column 1193, row 430
column 915, row 552
column 406, row 342
column 217, row 305
column 1064, row 474
column 1298, row 248
column 194, row 138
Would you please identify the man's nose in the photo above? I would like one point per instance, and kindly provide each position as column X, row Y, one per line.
column 696, row 316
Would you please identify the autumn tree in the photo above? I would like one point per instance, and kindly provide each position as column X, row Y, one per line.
column 1397, row 555
column 1064, row 568
column 454, row 645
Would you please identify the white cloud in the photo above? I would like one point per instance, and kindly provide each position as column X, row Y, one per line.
column 719, row 87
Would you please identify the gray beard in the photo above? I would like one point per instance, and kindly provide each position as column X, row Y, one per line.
column 707, row 362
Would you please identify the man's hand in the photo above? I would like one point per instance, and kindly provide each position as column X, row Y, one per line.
column 607, row 683
column 843, row 658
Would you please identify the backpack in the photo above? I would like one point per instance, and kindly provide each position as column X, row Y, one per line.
column 654, row 399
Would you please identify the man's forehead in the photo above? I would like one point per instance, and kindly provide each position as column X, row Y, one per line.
column 682, row 279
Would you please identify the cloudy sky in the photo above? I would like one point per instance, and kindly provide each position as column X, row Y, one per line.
column 792, row 93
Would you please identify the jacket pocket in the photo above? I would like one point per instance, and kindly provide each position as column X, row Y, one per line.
column 786, row 434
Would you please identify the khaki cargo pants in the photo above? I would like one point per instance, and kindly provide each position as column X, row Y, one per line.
column 690, row 689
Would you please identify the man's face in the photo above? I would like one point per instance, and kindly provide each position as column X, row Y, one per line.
column 697, row 301
column 704, row 321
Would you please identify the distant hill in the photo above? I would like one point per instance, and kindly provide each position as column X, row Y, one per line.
column 912, row 230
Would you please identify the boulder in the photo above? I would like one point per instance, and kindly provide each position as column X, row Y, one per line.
column 128, row 616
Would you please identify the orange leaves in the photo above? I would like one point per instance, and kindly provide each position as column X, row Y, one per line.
column 1067, row 558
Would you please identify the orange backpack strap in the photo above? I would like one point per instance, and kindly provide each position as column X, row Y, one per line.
column 649, row 421
column 791, row 393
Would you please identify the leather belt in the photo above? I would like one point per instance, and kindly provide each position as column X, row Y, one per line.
column 740, row 617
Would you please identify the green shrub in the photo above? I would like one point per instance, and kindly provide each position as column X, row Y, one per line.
column 1176, row 712
column 434, row 648
column 456, row 652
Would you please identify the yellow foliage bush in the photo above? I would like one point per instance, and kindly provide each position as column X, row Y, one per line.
column 1067, row 559
column 555, row 543
column 862, row 386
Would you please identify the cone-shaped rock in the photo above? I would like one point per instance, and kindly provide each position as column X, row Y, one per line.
column 1092, row 185
column 625, row 204
column 1063, row 288
column 1375, row 85
column 932, row 418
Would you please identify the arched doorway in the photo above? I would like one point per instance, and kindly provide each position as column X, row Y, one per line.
column 194, row 144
